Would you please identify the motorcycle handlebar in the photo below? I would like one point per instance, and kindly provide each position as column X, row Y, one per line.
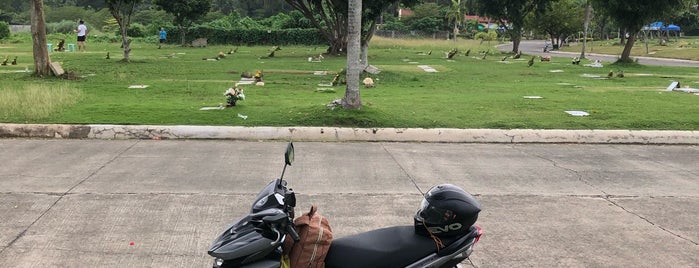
column 292, row 232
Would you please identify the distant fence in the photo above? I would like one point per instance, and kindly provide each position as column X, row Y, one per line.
column 412, row 34
column 20, row 28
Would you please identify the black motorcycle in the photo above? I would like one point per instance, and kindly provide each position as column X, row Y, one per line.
column 256, row 239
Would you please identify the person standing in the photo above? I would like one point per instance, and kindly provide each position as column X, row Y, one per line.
column 163, row 36
column 82, row 34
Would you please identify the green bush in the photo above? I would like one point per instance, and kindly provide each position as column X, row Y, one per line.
column 4, row 30
column 105, row 38
column 135, row 30
column 394, row 26
column 64, row 27
column 426, row 24
column 252, row 36
column 486, row 36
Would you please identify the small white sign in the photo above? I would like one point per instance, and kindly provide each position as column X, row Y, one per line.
column 427, row 68
column 211, row 108
column 578, row 113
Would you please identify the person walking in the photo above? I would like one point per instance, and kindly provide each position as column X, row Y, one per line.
column 163, row 36
column 82, row 34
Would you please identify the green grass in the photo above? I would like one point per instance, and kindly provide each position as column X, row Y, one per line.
column 37, row 101
column 467, row 92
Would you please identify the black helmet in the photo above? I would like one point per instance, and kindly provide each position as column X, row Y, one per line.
column 446, row 210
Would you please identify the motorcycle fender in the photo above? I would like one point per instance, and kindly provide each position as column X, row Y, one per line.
column 245, row 245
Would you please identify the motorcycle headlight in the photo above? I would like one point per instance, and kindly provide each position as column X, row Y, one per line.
column 218, row 262
column 260, row 204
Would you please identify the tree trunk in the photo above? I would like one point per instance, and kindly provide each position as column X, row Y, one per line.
column 622, row 37
column 352, row 99
column 126, row 44
column 588, row 13
column 364, row 56
column 516, row 36
column 515, row 45
column 182, row 36
column 626, row 54
column 42, row 60
column 645, row 39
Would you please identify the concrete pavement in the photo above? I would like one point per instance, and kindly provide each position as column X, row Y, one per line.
column 156, row 196
column 82, row 202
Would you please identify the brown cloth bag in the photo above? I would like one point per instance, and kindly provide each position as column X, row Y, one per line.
column 316, row 236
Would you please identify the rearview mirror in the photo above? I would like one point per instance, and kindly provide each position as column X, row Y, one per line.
column 289, row 155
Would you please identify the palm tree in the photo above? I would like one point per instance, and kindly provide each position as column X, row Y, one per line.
column 352, row 99
column 455, row 15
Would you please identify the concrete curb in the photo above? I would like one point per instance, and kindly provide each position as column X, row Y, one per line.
column 337, row 134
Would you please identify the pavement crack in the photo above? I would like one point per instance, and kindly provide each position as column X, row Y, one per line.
column 61, row 195
column 556, row 165
column 609, row 198
column 402, row 169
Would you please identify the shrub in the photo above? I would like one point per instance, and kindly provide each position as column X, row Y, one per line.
column 4, row 30
column 253, row 36
column 64, row 27
column 426, row 24
column 111, row 26
column 486, row 36
column 135, row 30
column 394, row 26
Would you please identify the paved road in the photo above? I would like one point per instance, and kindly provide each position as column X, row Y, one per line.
column 535, row 47
column 79, row 203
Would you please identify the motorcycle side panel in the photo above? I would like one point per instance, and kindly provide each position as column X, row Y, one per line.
column 240, row 240
column 390, row 247
column 268, row 263
column 263, row 264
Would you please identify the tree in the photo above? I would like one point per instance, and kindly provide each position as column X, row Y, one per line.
column 511, row 15
column 632, row 15
column 330, row 18
column 121, row 11
column 586, row 27
column 352, row 99
column 42, row 60
column 455, row 14
column 560, row 19
column 185, row 12
column 372, row 12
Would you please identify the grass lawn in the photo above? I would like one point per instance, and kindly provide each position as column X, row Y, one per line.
column 466, row 92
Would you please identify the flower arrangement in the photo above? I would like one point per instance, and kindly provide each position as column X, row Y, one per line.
column 233, row 95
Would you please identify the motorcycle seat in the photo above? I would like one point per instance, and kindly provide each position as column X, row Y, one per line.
column 390, row 247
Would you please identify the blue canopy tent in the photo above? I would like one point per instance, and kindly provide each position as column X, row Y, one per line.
column 655, row 26
column 671, row 27
column 660, row 29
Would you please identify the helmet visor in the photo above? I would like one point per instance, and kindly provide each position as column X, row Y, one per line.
column 434, row 215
